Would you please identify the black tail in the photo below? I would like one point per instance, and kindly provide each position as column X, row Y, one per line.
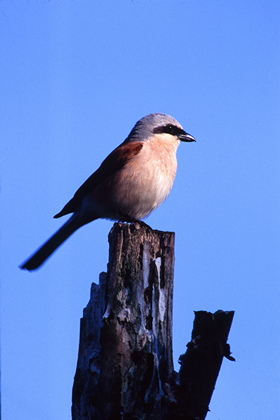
column 40, row 256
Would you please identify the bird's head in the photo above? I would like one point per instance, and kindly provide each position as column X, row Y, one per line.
column 159, row 124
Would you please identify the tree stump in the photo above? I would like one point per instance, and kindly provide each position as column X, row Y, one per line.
column 125, row 366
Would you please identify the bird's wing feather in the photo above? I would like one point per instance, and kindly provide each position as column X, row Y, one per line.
column 115, row 161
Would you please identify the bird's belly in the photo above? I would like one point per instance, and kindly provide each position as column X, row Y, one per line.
column 134, row 192
column 139, row 197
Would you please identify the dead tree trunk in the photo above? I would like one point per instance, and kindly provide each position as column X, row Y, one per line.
column 125, row 367
column 201, row 363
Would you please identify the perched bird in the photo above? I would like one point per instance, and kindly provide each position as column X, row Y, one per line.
column 129, row 184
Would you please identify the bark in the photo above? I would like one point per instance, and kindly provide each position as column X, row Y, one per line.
column 201, row 363
column 125, row 366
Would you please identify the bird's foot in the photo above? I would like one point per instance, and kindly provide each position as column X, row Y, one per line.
column 129, row 219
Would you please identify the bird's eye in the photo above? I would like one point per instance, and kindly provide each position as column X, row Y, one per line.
column 169, row 129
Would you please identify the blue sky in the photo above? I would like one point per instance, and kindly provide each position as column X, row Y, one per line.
column 75, row 77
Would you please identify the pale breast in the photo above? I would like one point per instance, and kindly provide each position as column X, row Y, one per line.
column 142, row 184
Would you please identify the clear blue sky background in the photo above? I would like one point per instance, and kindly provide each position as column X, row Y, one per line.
column 75, row 77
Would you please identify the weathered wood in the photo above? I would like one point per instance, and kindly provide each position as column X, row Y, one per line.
column 125, row 366
column 125, row 356
column 201, row 363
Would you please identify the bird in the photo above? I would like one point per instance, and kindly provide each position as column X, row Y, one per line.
column 133, row 180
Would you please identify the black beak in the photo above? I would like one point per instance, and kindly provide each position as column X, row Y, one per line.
column 186, row 137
